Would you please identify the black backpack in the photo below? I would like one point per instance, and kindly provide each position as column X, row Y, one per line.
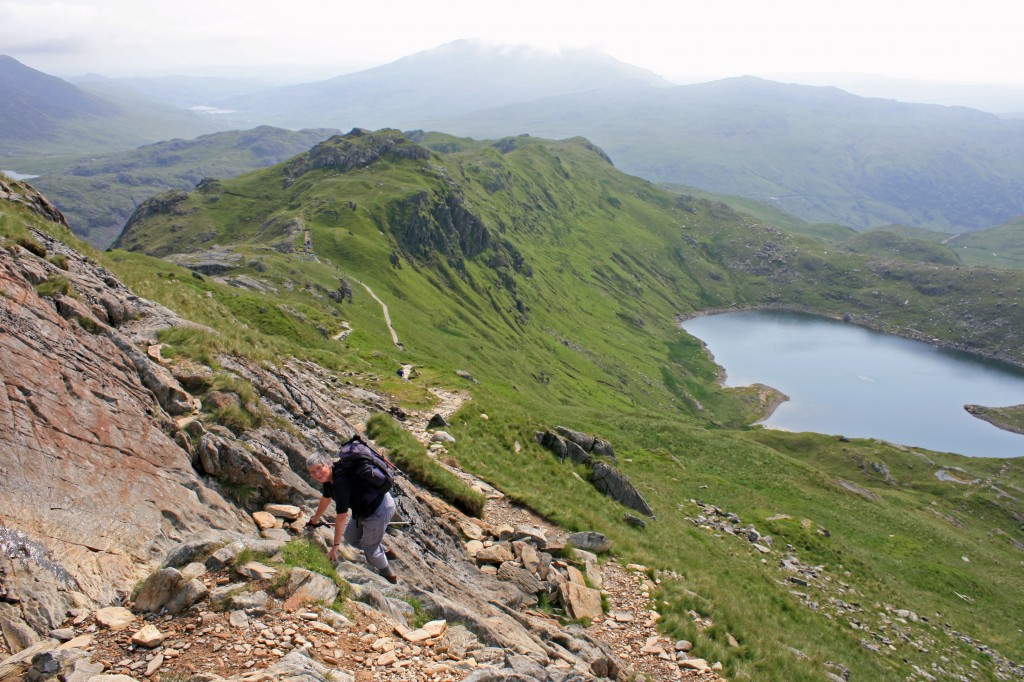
column 366, row 465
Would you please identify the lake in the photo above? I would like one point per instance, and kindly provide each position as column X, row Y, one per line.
column 846, row 380
column 17, row 176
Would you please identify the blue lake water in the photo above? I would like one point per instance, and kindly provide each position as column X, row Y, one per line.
column 846, row 380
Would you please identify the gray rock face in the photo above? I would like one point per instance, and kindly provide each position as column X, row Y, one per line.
column 616, row 486
column 590, row 541
column 76, row 411
column 584, row 440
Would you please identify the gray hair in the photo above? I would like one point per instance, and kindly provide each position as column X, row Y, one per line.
column 318, row 459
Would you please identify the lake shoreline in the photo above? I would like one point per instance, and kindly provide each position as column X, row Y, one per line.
column 842, row 379
column 859, row 321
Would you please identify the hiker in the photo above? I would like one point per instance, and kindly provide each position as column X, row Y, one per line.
column 372, row 508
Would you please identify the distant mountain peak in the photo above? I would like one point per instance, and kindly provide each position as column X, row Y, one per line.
column 453, row 78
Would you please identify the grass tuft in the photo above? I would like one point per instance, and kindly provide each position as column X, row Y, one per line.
column 412, row 458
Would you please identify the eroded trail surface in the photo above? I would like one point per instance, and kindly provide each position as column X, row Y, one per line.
column 630, row 625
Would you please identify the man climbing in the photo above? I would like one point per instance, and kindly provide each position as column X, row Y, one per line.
column 359, row 484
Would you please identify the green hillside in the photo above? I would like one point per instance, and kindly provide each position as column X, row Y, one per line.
column 97, row 195
column 539, row 278
column 1001, row 246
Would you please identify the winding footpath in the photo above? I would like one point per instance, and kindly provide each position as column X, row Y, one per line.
column 384, row 309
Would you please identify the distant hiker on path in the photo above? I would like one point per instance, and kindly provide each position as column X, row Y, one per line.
column 359, row 480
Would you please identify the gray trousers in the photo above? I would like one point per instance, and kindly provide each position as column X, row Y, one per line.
column 368, row 533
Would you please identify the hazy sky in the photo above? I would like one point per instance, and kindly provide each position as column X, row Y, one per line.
column 937, row 40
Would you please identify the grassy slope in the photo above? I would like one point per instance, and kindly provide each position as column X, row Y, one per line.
column 610, row 261
column 1001, row 246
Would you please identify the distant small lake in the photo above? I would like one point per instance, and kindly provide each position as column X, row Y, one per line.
column 846, row 380
column 17, row 176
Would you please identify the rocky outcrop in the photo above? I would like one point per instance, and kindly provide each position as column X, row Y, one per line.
column 169, row 202
column 356, row 149
column 581, row 448
column 214, row 261
column 20, row 193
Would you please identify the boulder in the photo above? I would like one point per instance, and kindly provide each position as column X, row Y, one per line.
column 14, row 667
column 458, row 642
column 580, row 602
column 276, row 534
column 603, row 448
column 526, row 581
column 256, row 571
column 224, row 556
column 495, row 554
column 67, row 665
column 264, row 520
column 249, row 601
column 188, row 594
column 192, row 571
column 527, row 555
column 306, row 586
column 553, row 442
column 583, row 440
column 591, row 541
column 532, row 534
column 114, row 617
column 634, row 521
column 283, row 511
column 158, row 589
column 442, row 437
column 149, row 636
column 616, row 486
column 577, row 454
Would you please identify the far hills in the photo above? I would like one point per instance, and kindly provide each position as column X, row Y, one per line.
column 819, row 153
column 45, row 121
column 97, row 195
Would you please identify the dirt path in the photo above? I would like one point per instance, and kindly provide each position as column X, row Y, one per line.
column 387, row 315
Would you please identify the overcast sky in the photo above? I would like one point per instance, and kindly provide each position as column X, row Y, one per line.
column 683, row 40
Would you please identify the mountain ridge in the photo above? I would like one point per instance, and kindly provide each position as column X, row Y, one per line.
column 469, row 74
